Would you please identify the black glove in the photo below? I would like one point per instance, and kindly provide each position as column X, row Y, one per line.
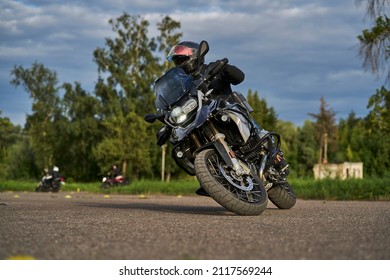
column 217, row 66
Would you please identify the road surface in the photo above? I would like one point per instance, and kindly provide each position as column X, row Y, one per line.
column 84, row 226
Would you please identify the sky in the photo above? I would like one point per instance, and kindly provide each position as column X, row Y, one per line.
column 293, row 52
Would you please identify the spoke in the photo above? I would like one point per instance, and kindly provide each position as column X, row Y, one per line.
column 216, row 165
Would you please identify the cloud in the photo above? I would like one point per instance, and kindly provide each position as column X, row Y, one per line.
column 291, row 51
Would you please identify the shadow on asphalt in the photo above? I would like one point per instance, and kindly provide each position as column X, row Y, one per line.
column 184, row 209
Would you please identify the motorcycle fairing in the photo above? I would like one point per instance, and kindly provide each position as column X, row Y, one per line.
column 188, row 166
column 243, row 125
column 183, row 162
column 163, row 134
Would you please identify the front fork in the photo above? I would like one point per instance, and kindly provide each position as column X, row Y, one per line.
column 228, row 154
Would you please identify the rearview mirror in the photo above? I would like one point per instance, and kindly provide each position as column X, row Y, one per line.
column 150, row 118
column 203, row 49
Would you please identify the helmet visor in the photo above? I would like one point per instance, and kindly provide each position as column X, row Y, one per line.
column 179, row 50
column 180, row 59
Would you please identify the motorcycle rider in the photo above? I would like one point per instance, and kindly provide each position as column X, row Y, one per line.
column 49, row 176
column 184, row 55
column 55, row 172
column 115, row 172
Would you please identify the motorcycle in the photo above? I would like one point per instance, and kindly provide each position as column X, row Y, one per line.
column 218, row 142
column 51, row 183
column 109, row 182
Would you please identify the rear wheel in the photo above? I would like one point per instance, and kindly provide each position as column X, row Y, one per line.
column 56, row 186
column 243, row 195
column 282, row 195
column 39, row 188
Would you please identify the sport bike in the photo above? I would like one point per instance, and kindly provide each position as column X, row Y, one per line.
column 218, row 142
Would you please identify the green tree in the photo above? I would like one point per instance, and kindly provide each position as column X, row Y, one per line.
column 375, row 50
column 307, row 148
column 130, row 67
column 9, row 135
column 326, row 132
column 351, row 134
column 379, row 116
column 374, row 45
column 378, row 129
column 265, row 116
column 169, row 36
column 42, row 85
column 127, row 69
column 21, row 160
column 80, row 132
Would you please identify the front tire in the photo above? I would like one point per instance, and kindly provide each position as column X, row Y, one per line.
column 282, row 195
column 215, row 177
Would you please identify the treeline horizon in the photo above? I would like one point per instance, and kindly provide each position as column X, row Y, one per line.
column 85, row 133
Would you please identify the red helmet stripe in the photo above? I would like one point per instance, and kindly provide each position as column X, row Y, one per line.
column 183, row 50
column 180, row 50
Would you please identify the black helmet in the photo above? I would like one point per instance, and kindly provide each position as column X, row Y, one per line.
column 185, row 56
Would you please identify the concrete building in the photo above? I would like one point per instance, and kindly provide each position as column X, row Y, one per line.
column 340, row 171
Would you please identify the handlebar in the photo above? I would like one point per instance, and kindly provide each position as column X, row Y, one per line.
column 218, row 67
column 213, row 72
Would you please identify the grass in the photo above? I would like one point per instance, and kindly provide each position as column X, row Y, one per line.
column 350, row 189
column 327, row 189
column 182, row 187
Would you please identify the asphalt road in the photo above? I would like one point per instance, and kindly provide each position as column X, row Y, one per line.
column 78, row 226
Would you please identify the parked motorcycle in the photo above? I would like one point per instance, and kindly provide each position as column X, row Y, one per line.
column 219, row 143
column 51, row 181
column 109, row 182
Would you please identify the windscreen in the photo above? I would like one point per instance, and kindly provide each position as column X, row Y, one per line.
column 171, row 87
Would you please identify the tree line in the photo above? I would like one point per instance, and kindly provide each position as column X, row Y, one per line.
column 85, row 133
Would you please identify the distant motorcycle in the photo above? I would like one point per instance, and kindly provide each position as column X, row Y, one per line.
column 109, row 182
column 51, row 181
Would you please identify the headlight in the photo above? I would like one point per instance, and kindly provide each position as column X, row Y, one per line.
column 179, row 114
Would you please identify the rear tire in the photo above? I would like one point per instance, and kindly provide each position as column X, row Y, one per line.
column 56, row 186
column 282, row 195
column 218, row 182
column 38, row 188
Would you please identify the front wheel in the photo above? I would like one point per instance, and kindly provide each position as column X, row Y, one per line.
column 282, row 195
column 243, row 195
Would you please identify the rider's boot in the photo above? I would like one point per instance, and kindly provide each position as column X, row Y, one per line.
column 201, row 191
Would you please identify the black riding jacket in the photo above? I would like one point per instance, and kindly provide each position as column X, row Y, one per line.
column 221, row 85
